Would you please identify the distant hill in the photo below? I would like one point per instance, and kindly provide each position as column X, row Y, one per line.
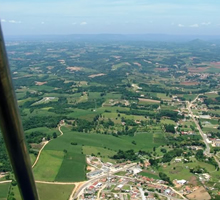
column 118, row 37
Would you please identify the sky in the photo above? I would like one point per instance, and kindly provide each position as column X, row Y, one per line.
column 46, row 17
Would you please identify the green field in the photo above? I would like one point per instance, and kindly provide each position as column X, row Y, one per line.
column 55, row 165
column 144, row 141
column 73, row 166
column 49, row 191
column 103, row 153
column 149, row 175
column 45, row 130
column 4, row 187
column 181, row 170
column 48, row 165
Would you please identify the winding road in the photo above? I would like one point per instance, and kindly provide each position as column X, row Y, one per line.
column 45, row 143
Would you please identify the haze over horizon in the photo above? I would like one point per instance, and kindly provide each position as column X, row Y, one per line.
column 112, row 17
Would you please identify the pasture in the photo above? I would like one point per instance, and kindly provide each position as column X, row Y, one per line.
column 48, row 191
column 48, row 165
column 4, row 187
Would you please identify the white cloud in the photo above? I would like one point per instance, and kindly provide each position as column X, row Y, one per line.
column 42, row 23
column 83, row 23
column 194, row 25
column 3, row 20
column 180, row 25
column 14, row 22
column 206, row 23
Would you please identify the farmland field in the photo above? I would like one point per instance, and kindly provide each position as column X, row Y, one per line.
column 4, row 188
column 48, row 165
column 49, row 191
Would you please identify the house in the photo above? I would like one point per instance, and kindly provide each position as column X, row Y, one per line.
column 178, row 160
column 94, row 173
column 181, row 182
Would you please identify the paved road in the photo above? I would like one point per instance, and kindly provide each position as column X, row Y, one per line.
column 207, row 150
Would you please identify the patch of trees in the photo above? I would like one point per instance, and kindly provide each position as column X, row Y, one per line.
column 129, row 122
column 215, row 101
column 5, row 165
column 128, row 131
column 128, row 94
column 91, row 103
column 182, row 141
column 169, row 128
column 35, row 137
column 197, row 170
column 154, row 162
column 107, row 124
column 167, row 157
column 41, row 121
column 173, row 115
column 81, row 125
column 166, row 178
column 125, row 155
column 200, row 157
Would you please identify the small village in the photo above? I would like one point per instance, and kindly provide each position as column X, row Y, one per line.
column 123, row 181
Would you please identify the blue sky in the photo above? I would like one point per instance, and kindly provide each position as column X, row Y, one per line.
column 34, row 17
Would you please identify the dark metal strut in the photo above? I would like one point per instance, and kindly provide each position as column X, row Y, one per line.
column 12, row 130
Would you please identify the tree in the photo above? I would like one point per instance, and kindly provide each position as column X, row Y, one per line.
column 54, row 135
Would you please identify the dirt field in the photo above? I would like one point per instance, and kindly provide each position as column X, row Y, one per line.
column 40, row 83
column 216, row 64
column 74, row 68
column 165, row 69
column 198, row 69
column 199, row 194
column 149, row 100
column 89, row 168
column 138, row 64
column 189, row 83
column 193, row 181
column 95, row 75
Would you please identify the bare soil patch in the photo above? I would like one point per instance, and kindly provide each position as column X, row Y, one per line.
column 148, row 100
column 198, row 69
column 199, row 194
column 40, row 83
column 138, row 64
column 189, row 83
column 74, row 68
column 89, row 168
column 95, row 75
column 36, row 146
column 193, row 180
column 165, row 69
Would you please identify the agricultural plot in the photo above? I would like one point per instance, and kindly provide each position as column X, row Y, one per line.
column 48, row 165
column 48, row 191
column 104, row 153
column 62, row 161
column 4, row 188
column 51, row 192
column 149, row 175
